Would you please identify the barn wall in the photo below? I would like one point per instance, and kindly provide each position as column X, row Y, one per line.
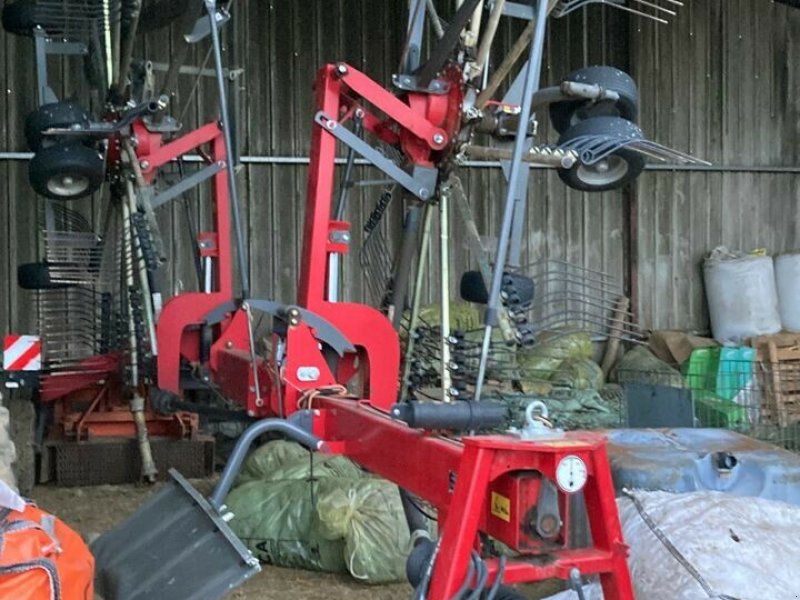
column 716, row 82
column 722, row 82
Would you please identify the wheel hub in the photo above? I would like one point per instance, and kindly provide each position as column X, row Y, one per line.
column 604, row 172
column 68, row 185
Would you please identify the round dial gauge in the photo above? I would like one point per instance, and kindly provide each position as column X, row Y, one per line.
column 571, row 474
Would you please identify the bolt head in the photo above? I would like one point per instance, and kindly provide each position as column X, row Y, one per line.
column 438, row 138
column 341, row 68
column 424, row 193
column 144, row 165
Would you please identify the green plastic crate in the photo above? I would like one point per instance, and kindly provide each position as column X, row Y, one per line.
column 715, row 412
column 721, row 372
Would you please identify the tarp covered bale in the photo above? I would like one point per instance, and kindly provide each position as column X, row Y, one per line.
column 722, row 546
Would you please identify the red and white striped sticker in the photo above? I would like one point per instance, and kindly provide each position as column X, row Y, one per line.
column 22, row 353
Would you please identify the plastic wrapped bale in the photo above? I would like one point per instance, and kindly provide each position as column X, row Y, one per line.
column 639, row 365
column 368, row 515
column 579, row 374
column 277, row 521
column 279, row 460
column 717, row 546
column 551, row 349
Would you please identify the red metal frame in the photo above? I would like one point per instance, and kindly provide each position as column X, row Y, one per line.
column 182, row 315
column 458, row 477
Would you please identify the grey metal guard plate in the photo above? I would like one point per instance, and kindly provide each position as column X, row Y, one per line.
column 175, row 547
column 658, row 406
column 324, row 330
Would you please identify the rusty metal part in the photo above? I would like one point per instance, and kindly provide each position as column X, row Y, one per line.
column 541, row 155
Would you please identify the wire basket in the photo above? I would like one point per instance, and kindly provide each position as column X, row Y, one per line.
column 753, row 396
column 77, row 19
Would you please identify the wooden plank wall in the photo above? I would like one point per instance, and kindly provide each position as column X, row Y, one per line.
column 721, row 81
column 281, row 44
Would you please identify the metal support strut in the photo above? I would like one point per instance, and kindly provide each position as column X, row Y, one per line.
column 211, row 7
column 531, row 86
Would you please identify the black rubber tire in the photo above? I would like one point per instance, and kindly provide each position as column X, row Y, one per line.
column 20, row 17
column 66, row 171
column 628, row 163
column 61, row 115
column 22, row 429
column 36, row 276
column 566, row 114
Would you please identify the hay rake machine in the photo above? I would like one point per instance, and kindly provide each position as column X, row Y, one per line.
column 97, row 294
column 332, row 377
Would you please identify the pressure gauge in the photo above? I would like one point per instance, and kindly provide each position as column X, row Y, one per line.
column 571, row 474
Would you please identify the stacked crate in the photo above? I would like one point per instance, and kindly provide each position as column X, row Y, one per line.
column 779, row 361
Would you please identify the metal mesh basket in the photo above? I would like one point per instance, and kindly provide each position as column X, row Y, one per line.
column 757, row 397
column 77, row 19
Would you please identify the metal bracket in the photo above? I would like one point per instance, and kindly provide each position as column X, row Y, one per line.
column 66, row 48
column 519, row 11
column 202, row 28
column 187, row 183
column 421, row 184
column 410, row 83
column 324, row 331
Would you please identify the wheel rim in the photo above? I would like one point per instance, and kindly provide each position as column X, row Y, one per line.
column 604, row 172
column 67, row 185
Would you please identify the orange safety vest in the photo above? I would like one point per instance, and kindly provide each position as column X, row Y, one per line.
column 42, row 559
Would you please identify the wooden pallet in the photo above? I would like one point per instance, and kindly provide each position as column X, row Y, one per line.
column 779, row 359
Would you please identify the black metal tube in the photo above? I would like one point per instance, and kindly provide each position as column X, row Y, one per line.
column 130, row 22
column 347, row 183
column 234, row 465
column 414, row 517
column 211, row 7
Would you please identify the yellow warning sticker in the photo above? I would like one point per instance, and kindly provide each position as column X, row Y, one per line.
column 501, row 507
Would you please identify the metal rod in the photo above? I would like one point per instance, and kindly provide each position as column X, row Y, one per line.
column 444, row 290
column 251, row 338
column 505, row 67
column 403, row 267
column 334, row 260
column 129, row 282
column 127, row 44
column 416, row 302
column 488, row 37
column 144, row 284
column 211, row 7
column 531, row 85
column 235, row 460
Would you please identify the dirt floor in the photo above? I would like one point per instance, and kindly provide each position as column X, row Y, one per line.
column 93, row 510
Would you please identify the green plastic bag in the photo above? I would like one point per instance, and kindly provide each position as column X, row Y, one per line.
column 279, row 460
column 368, row 515
column 579, row 374
column 277, row 521
column 639, row 365
column 551, row 350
